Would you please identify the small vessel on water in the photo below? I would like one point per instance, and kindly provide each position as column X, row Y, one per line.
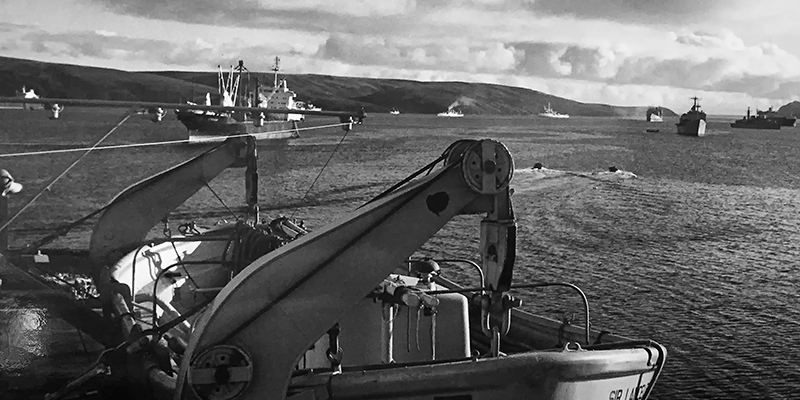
column 301, row 105
column 550, row 113
column 210, row 126
column 773, row 116
column 693, row 122
column 451, row 112
column 654, row 114
column 759, row 121
column 394, row 111
column 25, row 93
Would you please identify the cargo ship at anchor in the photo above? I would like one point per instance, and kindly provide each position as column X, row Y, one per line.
column 212, row 126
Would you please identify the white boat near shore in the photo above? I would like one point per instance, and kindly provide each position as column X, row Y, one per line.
column 452, row 112
column 654, row 114
column 550, row 113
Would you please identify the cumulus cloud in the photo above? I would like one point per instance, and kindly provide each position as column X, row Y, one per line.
column 196, row 54
column 722, row 39
column 314, row 15
column 12, row 27
column 634, row 11
column 361, row 50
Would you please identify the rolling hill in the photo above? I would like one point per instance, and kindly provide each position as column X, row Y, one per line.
column 328, row 92
column 790, row 110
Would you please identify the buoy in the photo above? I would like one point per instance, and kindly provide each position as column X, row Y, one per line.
column 8, row 184
column 157, row 114
column 55, row 110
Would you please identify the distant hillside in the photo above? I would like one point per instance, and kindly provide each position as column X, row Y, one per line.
column 328, row 92
column 790, row 110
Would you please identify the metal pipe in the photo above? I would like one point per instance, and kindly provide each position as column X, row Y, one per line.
column 531, row 286
column 387, row 333
column 123, row 312
column 472, row 263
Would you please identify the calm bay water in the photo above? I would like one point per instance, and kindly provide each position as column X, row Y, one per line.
column 699, row 253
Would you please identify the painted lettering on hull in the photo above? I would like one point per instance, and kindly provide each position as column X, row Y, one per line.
column 629, row 393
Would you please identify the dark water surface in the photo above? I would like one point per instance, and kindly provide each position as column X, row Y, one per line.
column 699, row 253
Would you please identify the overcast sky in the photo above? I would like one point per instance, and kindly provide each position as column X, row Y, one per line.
column 731, row 53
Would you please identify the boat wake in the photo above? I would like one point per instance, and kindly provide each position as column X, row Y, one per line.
column 530, row 179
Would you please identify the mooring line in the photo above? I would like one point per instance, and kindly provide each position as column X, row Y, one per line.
column 74, row 163
column 167, row 142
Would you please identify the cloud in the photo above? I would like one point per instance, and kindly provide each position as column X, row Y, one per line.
column 638, row 11
column 193, row 54
column 307, row 15
column 105, row 33
column 9, row 27
column 722, row 39
column 361, row 50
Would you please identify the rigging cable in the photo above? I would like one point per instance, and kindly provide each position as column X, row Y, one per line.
column 74, row 163
column 167, row 142
column 64, row 229
column 205, row 182
column 335, row 149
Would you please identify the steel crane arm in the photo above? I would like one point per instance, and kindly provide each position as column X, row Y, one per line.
column 278, row 306
column 130, row 216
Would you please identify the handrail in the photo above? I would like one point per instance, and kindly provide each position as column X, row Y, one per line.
column 531, row 286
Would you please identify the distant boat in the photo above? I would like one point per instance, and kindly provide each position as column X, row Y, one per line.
column 654, row 114
column 299, row 105
column 451, row 112
column 394, row 111
column 651, row 130
column 693, row 122
column 205, row 126
column 773, row 116
column 759, row 121
column 550, row 113
column 25, row 94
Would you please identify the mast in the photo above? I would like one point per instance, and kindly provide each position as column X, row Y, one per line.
column 695, row 106
column 275, row 69
column 239, row 69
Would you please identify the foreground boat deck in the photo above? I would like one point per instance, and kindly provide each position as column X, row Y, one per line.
column 39, row 350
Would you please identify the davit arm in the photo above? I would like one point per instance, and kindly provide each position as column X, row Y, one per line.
column 248, row 341
column 130, row 216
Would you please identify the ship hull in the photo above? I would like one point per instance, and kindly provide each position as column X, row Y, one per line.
column 558, row 116
column 785, row 121
column 692, row 128
column 216, row 128
column 764, row 125
column 655, row 118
